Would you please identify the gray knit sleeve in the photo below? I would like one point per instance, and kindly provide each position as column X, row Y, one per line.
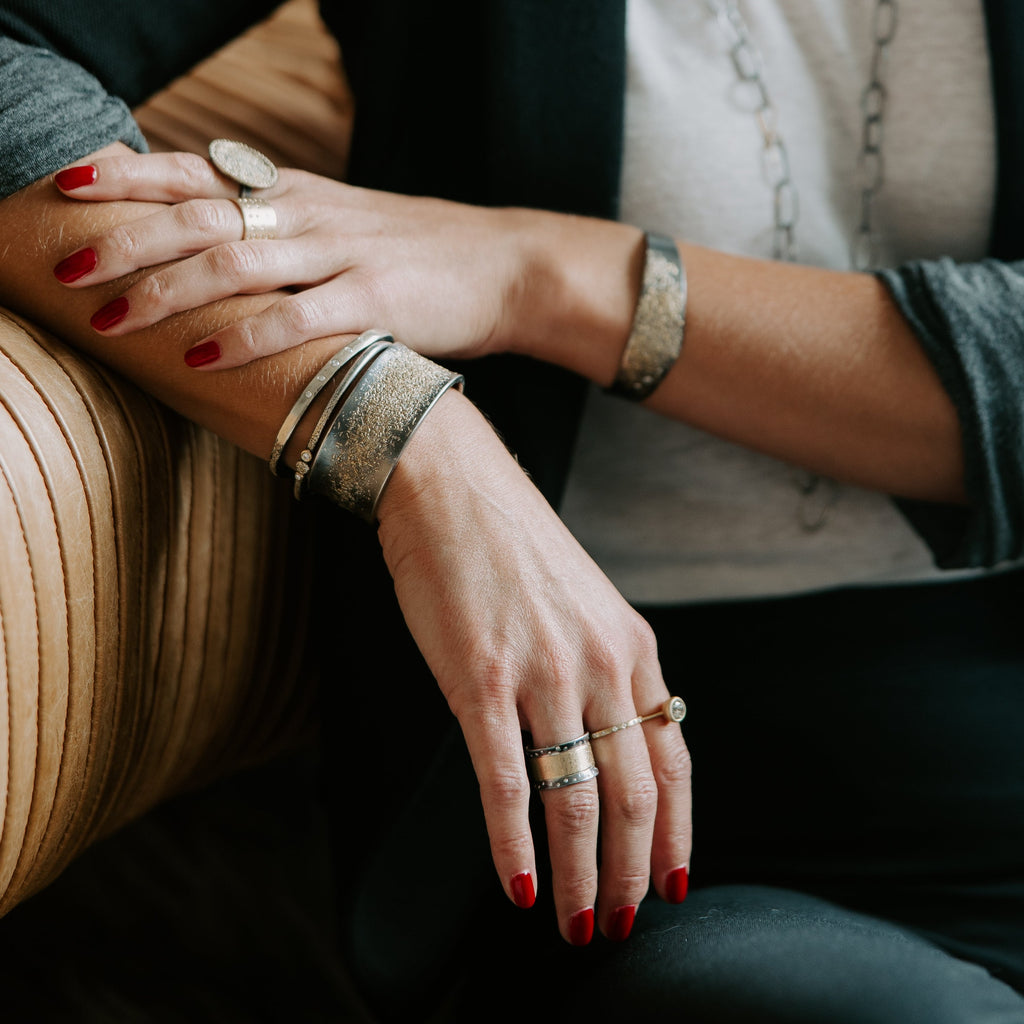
column 52, row 113
column 970, row 320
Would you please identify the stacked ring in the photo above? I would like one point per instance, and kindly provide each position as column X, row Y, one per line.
column 673, row 710
column 563, row 764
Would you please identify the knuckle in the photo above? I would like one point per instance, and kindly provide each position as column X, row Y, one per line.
column 644, row 639
column 242, row 339
column 153, row 292
column 635, row 882
column 193, row 171
column 123, row 245
column 202, row 216
column 504, row 785
column 637, row 803
column 605, row 659
column 675, row 768
column 573, row 811
column 234, row 261
column 492, row 686
column 302, row 315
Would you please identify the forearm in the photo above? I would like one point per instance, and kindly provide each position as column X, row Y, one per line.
column 245, row 406
column 815, row 367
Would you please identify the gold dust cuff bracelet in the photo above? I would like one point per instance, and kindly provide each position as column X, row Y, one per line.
column 656, row 338
column 361, row 447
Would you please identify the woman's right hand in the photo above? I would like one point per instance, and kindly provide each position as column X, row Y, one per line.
column 523, row 632
column 449, row 279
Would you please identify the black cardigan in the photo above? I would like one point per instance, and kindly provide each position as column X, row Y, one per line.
column 520, row 102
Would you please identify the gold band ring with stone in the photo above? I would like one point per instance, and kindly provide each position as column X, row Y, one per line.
column 561, row 765
column 673, row 710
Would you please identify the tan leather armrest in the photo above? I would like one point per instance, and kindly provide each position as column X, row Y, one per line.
column 153, row 582
column 153, row 579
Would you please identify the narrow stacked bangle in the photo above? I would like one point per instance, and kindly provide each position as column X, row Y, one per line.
column 326, row 374
column 656, row 338
column 354, row 461
column 355, row 370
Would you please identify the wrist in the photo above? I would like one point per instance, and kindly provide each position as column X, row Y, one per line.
column 574, row 292
column 453, row 456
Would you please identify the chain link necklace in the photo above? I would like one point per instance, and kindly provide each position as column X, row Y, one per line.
column 817, row 494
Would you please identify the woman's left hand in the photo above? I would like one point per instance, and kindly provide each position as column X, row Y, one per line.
column 440, row 275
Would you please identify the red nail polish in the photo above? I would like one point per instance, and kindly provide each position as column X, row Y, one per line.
column 621, row 923
column 110, row 315
column 77, row 265
column 677, row 884
column 581, row 927
column 209, row 352
column 523, row 893
column 75, row 177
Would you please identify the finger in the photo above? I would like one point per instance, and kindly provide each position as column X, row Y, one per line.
column 176, row 232
column 236, row 268
column 495, row 748
column 670, row 763
column 153, row 177
column 309, row 314
column 571, row 814
column 673, row 827
column 629, row 801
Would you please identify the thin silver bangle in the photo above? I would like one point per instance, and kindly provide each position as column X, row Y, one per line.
column 355, row 370
column 323, row 377
column 656, row 338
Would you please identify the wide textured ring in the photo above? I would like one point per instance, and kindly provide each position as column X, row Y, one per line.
column 246, row 166
column 673, row 710
column 258, row 218
column 561, row 765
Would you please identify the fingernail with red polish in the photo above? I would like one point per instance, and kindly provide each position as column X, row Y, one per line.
column 209, row 352
column 523, row 893
column 621, row 923
column 77, row 265
column 75, row 177
column 581, row 927
column 677, row 885
column 110, row 315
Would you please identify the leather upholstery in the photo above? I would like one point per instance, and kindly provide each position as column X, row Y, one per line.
column 153, row 578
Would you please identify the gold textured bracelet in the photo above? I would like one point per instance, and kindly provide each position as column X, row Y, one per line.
column 362, row 446
column 656, row 338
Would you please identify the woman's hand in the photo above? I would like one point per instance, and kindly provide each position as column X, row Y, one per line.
column 524, row 632
column 449, row 279
column 429, row 269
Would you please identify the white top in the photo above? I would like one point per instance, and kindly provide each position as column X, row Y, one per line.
column 670, row 513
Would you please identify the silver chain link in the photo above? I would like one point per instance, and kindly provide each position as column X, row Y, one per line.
column 864, row 252
column 748, row 64
column 817, row 494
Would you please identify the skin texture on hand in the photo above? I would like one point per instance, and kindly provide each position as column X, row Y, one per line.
column 523, row 631
column 814, row 367
column 518, row 624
